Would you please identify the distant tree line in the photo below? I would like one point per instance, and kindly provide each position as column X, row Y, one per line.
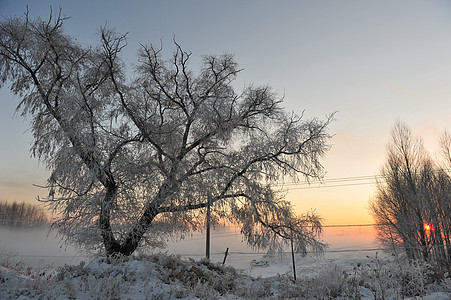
column 20, row 215
column 412, row 205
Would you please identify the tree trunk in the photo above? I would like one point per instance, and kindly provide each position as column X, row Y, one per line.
column 423, row 242
column 134, row 237
column 137, row 233
column 109, row 241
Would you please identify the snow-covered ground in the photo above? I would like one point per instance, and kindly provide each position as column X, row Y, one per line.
column 41, row 269
column 169, row 277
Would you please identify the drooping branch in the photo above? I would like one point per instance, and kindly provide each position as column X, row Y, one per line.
column 125, row 152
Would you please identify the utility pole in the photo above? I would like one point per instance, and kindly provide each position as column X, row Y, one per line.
column 207, row 246
column 292, row 256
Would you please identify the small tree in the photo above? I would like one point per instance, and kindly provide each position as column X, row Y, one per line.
column 444, row 196
column 132, row 157
column 412, row 201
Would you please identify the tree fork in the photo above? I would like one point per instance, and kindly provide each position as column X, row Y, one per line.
column 86, row 114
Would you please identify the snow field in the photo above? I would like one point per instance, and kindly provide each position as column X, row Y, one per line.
column 162, row 276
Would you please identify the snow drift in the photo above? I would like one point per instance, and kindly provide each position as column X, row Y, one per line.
column 169, row 277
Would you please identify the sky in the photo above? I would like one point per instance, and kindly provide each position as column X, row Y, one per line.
column 371, row 62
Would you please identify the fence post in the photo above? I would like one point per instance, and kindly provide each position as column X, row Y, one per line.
column 225, row 255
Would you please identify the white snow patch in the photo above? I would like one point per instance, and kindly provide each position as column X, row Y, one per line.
column 169, row 277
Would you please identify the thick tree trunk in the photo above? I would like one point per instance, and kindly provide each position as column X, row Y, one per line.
column 109, row 241
column 125, row 248
column 112, row 246
column 137, row 233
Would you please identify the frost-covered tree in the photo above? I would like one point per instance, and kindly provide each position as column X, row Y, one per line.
column 133, row 159
column 412, row 203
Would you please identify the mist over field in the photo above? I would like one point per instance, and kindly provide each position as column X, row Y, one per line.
column 36, row 247
column 42, row 246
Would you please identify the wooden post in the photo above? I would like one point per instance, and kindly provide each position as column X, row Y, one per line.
column 292, row 257
column 207, row 242
column 225, row 255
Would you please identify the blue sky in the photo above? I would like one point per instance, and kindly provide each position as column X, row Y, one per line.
column 373, row 62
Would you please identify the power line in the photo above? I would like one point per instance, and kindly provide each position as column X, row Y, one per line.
column 230, row 252
column 334, row 180
column 195, row 254
column 331, row 182
column 350, row 225
column 330, row 186
column 338, row 182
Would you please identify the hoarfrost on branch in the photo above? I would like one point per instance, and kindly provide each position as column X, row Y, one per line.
column 133, row 159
